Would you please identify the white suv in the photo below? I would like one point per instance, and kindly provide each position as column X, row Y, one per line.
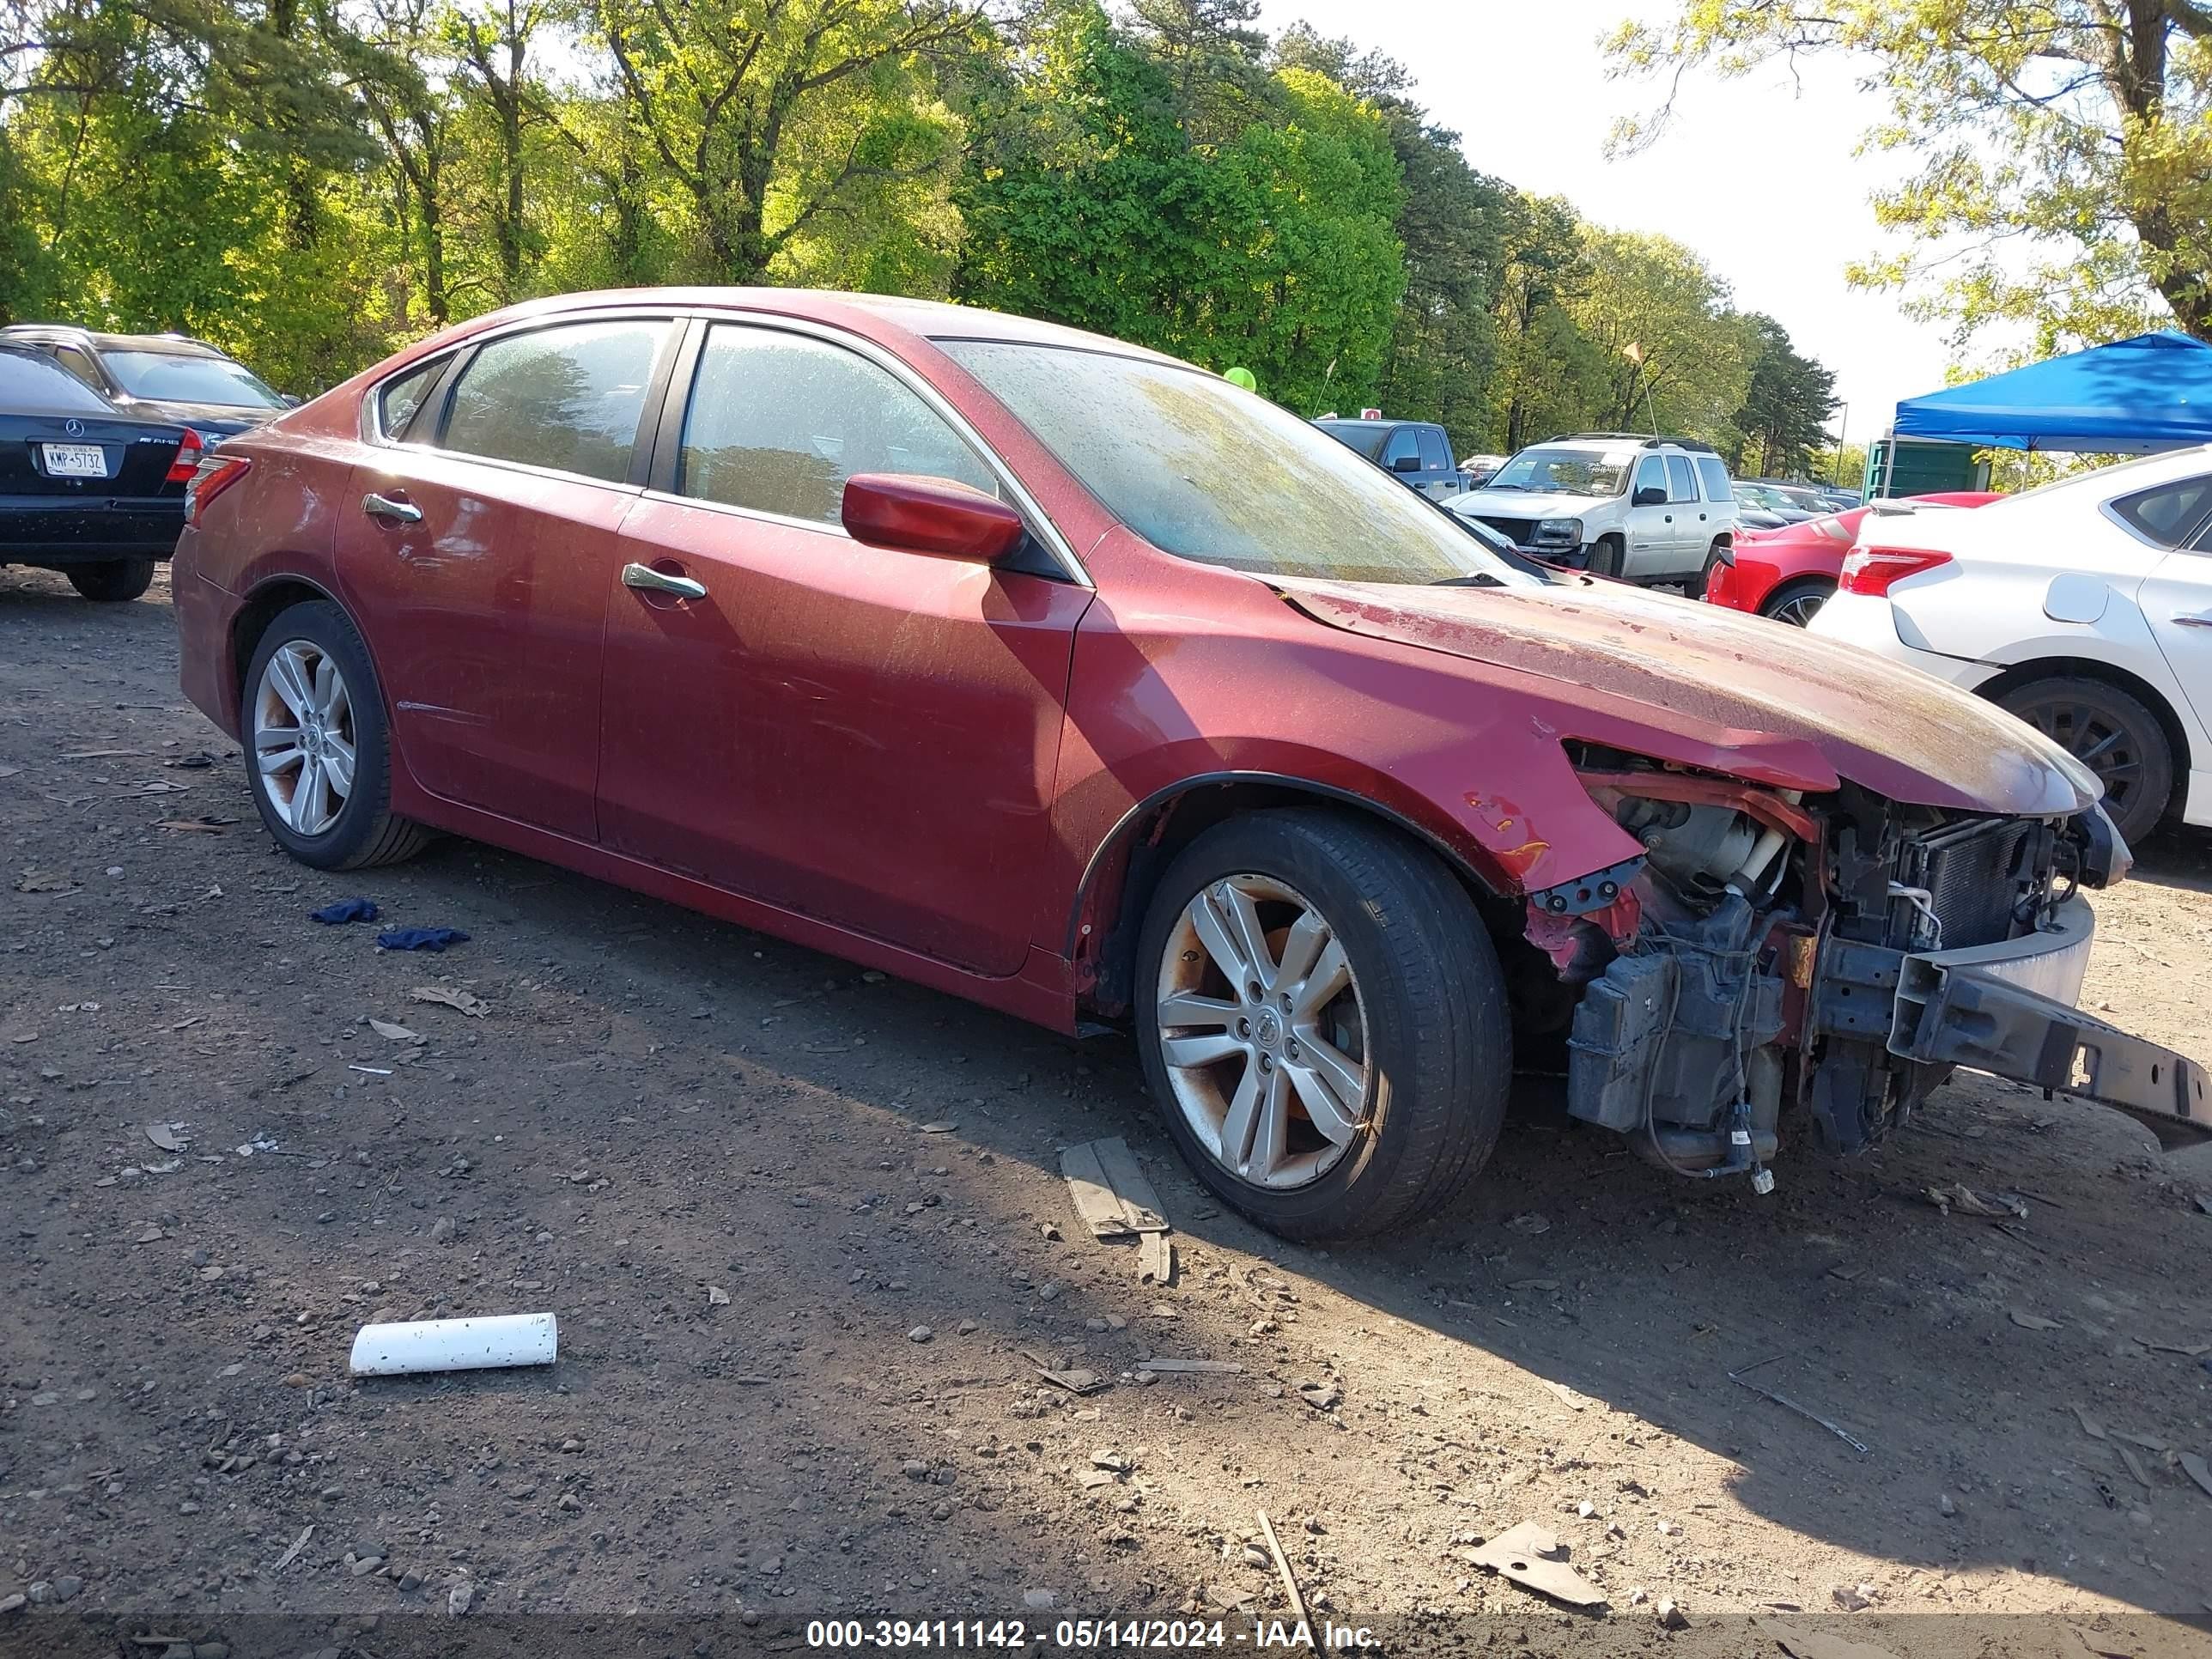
column 1644, row 509
column 2085, row 607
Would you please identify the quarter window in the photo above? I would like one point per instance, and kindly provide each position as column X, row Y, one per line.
column 1710, row 468
column 397, row 399
column 2168, row 514
column 1682, row 481
column 566, row 398
column 777, row 423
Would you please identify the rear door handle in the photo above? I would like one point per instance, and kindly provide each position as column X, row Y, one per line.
column 384, row 507
column 655, row 581
column 2201, row 619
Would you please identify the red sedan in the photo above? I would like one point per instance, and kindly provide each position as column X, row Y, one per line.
column 1788, row 573
column 1076, row 680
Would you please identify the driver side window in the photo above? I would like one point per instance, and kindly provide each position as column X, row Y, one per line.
column 778, row 422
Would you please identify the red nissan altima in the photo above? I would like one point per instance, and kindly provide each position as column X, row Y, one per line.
column 1078, row 681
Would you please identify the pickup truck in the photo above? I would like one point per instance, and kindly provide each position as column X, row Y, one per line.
column 1417, row 452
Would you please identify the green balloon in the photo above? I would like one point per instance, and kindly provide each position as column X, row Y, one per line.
column 1242, row 377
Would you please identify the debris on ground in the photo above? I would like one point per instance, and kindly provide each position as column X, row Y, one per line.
column 1669, row 1615
column 385, row 1027
column 292, row 1554
column 2028, row 1322
column 1283, row 1567
column 474, row 1007
column 1853, row 1598
column 1322, row 1396
column 43, row 881
column 165, row 1136
column 1532, row 1557
column 1966, row 1201
column 1742, row 1381
column 1177, row 1367
column 1074, row 1379
column 2197, row 1470
column 491, row 1342
column 1816, row 1644
column 419, row 939
column 1567, row 1396
column 345, row 910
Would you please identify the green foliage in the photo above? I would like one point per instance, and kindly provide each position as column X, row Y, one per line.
column 1785, row 407
column 311, row 185
column 2064, row 147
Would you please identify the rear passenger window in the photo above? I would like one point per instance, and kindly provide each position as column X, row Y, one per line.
column 1434, row 457
column 397, row 400
column 1715, row 473
column 1682, row 481
column 2168, row 513
column 566, row 398
column 40, row 385
column 778, row 422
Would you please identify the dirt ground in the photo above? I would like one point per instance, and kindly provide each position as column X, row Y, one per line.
column 806, row 1235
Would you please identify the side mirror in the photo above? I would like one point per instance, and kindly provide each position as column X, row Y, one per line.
column 290, row 399
column 929, row 515
column 1650, row 496
column 1407, row 464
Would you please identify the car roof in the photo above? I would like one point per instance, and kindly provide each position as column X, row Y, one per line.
column 175, row 345
column 876, row 314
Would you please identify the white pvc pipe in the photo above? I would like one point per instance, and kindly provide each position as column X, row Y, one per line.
column 455, row 1345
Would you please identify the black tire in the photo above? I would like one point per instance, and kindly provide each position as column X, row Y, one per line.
column 1794, row 604
column 111, row 581
column 2114, row 735
column 1438, row 1045
column 366, row 831
column 1605, row 557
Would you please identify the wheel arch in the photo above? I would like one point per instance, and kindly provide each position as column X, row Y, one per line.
column 268, row 599
column 1125, row 868
column 2093, row 668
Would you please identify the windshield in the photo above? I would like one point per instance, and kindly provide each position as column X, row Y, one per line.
column 1207, row 472
column 174, row 377
column 1562, row 471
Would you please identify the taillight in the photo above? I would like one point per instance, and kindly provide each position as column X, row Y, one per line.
column 188, row 459
column 1874, row 569
column 216, row 472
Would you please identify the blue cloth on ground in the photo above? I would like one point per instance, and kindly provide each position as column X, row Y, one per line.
column 352, row 909
column 421, row 939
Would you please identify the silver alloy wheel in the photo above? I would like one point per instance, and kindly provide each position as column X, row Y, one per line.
column 1801, row 611
column 1263, row 1032
column 303, row 737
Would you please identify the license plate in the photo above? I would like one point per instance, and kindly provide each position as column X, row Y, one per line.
column 75, row 461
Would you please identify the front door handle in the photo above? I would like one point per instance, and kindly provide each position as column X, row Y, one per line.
column 2201, row 619
column 655, row 581
column 384, row 507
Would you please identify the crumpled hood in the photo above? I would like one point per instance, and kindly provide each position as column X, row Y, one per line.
column 1709, row 676
column 1526, row 504
column 210, row 420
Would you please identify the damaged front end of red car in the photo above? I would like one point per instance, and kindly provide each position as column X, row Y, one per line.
column 1836, row 951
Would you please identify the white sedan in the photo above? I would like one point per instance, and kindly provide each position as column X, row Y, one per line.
column 2084, row 607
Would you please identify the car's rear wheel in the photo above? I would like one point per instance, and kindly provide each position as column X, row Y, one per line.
column 1321, row 1016
column 318, row 753
column 1604, row 556
column 111, row 580
column 1797, row 602
column 2111, row 733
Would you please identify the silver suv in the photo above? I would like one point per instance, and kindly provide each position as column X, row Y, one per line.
column 1642, row 508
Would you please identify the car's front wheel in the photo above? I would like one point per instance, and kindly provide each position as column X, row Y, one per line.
column 318, row 753
column 2113, row 735
column 1321, row 1015
column 111, row 580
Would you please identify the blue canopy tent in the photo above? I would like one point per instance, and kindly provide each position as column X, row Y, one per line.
column 2152, row 392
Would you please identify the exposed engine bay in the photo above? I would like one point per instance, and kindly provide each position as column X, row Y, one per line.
column 1837, row 956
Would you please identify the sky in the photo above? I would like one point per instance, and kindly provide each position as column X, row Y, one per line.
column 1756, row 174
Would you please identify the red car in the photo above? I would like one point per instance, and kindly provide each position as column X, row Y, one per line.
column 1788, row 573
column 1076, row 680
